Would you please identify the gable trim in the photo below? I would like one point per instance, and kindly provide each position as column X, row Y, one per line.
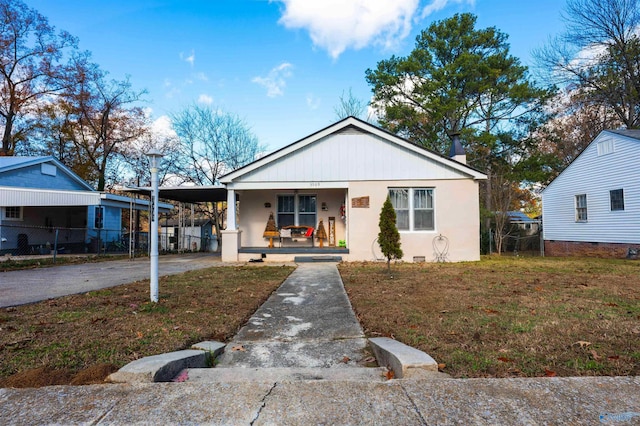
column 336, row 127
column 595, row 141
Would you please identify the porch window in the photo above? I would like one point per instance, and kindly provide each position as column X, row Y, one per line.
column 297, row 210
column 307, row 210
column 414, row 208
column 286, row 210
column 13, row 213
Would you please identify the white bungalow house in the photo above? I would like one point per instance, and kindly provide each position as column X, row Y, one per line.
column 341, row 175
column 41, row 200
column 593, row 206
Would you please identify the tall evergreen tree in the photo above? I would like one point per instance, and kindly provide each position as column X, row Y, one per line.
column 389, row 237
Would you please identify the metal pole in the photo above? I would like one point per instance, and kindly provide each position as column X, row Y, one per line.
column 155, row 156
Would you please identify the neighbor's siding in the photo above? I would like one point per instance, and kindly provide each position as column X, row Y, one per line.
column 595, row 176
column 33, row 177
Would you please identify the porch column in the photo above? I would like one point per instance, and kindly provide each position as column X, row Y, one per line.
column 231, row 210
column 231, row 235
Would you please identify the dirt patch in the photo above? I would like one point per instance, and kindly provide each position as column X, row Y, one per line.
column 507, row 317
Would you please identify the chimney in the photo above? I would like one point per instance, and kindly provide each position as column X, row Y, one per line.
column 457, row 151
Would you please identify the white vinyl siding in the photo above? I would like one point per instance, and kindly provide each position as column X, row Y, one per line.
column 595, row 175
column 354, row 156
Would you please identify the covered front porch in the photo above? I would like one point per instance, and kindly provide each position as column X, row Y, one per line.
column 279, row 210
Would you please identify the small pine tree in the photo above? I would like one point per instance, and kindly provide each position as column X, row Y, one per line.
column 389, row 237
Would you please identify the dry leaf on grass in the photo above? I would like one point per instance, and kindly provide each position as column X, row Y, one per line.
column 582, row 343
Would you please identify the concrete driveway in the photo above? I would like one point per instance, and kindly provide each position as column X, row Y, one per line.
column 34, row 285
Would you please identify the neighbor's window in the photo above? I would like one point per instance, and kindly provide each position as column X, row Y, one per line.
column 13, row 213
column 414, row 208
column 581, row 208
column 617, row 199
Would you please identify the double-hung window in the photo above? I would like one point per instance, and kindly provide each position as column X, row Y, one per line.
column 581, row 208
column 286, row 210
column 297, row 210
column 616, row 198
column 414, row 208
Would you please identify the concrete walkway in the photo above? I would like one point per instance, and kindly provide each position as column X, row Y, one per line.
column 34, row 285
column 307, row 322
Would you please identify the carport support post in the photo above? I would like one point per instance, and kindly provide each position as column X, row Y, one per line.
column 154, row 156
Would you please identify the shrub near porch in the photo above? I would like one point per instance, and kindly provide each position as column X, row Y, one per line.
column 504, row 317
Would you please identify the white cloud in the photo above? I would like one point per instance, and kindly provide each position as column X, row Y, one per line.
column 275, row 81
column 337, row 25
column 312, row 101
column 191, row 59
column 162, row 127
column 205, row 99
column 437, row 5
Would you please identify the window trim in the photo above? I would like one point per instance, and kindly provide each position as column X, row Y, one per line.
column 619, row 207
column 15, row 219
column 579, row 209
column 296, row 207
column 411, row 208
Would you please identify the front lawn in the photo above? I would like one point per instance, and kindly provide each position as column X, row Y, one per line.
column 505, row 317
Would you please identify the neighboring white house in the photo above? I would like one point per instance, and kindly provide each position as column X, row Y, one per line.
column 342, row 175
column 593, row 206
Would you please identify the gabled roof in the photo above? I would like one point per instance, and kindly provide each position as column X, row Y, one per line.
column 630, row 133
column 633, row 134
column 520, row 217
column 14, row 163
column 352, row 122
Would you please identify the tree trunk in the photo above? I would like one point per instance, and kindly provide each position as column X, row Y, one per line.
column 7, row 146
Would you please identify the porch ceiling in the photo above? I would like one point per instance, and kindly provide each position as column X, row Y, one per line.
column 187, row 194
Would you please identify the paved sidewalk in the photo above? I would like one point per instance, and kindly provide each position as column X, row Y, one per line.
column 541, row 401
column 34, row 285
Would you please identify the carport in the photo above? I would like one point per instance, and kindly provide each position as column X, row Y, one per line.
column 185, row 195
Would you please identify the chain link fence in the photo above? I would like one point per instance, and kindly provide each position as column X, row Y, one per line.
column 20, row 240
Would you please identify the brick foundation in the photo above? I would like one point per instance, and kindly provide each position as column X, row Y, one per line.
column 578, row 248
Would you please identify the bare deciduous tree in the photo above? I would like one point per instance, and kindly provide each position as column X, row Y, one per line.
column 103, row 117
column 350, row 106
column 600, row 54
column 31, row 52
column 212, row 142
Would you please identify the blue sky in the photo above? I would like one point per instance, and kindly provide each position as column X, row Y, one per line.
column 281, row 65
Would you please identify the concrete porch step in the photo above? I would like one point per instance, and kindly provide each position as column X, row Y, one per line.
column 308, row 259
column 282, row 375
